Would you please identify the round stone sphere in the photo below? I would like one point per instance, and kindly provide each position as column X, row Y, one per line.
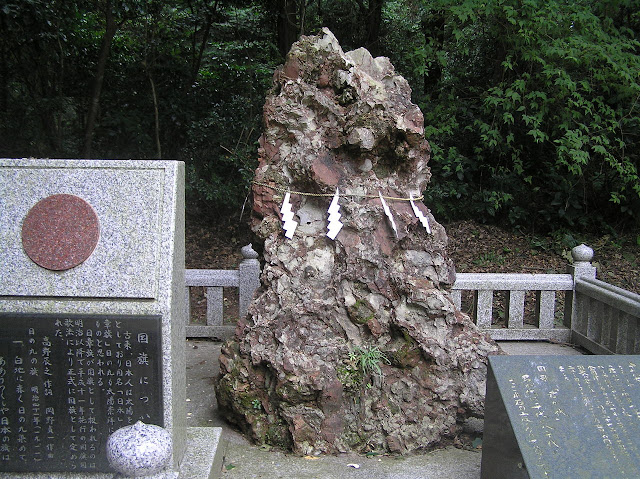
column 139, row 450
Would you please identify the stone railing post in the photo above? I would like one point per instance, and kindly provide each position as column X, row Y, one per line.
column 249, row 278
column 581, row 268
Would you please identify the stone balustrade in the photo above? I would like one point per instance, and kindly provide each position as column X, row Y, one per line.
column 485, row 287
column 598, row 316
column 246, row 279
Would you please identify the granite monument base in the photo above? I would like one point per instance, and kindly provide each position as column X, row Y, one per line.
column 202, row 459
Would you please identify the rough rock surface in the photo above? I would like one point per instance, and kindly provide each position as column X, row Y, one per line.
column 352, row 344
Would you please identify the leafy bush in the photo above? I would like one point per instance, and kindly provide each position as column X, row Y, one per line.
column 531, row 106
column 534, row 115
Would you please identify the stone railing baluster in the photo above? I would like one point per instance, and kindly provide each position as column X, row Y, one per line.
column 249, row 278
column 599, row 316
column 580, row 268
column 515, row 309
column 246, row 279
column 515, row 286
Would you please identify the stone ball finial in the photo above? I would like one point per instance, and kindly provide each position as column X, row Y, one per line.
column 582, row 254
column 248, row 252
column 139, row 450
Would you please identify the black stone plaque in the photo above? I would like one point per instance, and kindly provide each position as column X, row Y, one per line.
column 68, row 381
column 562, row 417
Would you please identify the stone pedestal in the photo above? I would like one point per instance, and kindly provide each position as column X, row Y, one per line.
column 93, row 275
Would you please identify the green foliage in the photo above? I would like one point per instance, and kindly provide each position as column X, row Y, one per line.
column 39, row 45
column 535, row 114
column 221, row 134
column 368, row 359
column 362, row 361
column 489, row 258
column 211, row 65
column 531, row 107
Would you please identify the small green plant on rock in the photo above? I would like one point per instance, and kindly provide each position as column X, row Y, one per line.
column 362, row 360
column 368, row 359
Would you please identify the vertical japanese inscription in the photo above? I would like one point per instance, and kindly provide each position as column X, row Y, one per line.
column 67, row 382
column 566, row 409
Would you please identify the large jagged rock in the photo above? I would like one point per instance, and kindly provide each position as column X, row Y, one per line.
column 352, row 344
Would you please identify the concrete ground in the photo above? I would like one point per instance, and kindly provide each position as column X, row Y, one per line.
column 242, row 460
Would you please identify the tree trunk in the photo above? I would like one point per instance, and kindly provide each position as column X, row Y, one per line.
column 110, row 30
column 205, row 38
column 371, row 13
column 4, row 70
column 156, row 115
column 374, row 26
column 433, row 28
column 287, row 25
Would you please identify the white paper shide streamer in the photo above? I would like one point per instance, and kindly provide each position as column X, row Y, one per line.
column 286, row 211
column 387, row 211
column 334, row 226
column 423, row 219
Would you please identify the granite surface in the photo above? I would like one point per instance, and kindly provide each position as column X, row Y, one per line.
column 60, row 232
column 139, row 450
column 205, row 453
column 125, row 261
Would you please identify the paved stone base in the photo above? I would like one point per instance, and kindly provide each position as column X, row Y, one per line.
column 538, row 348
column 204, row 455
column 202, row 460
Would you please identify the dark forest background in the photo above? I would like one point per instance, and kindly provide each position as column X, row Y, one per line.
column 531, row 107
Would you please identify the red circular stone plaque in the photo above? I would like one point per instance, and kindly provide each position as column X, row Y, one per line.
column 60, row 232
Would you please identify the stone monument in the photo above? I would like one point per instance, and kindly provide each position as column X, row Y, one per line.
column 353, row 342
column 91, row 310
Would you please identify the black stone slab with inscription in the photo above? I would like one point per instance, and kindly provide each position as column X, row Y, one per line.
column 68, row 381
column 562, row 417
